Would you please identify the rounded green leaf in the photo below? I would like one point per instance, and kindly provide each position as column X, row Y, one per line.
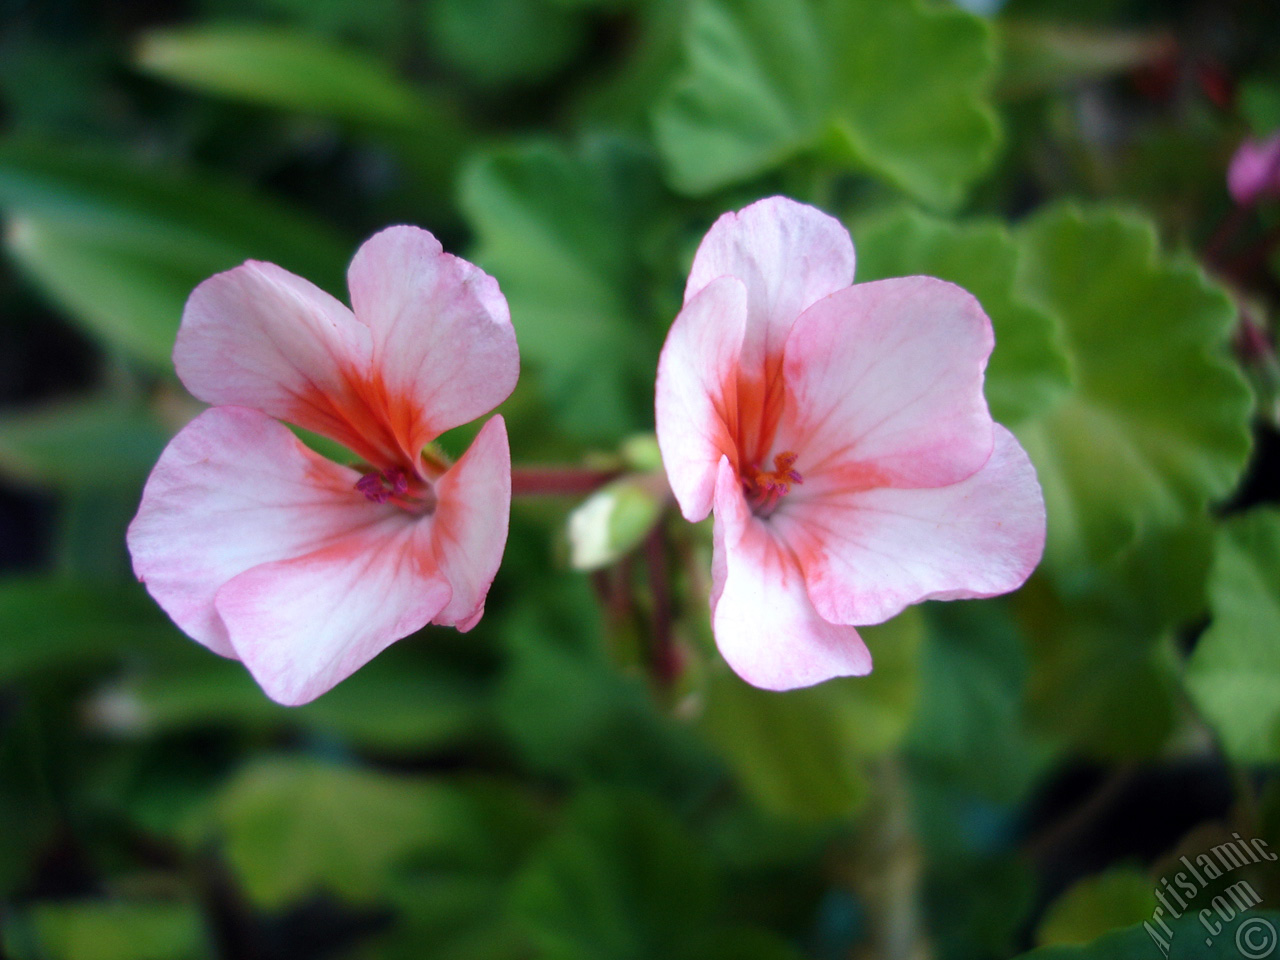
column 295, row 827
column 912, row 93
column 1234, row 674
column 902, row 88
column 755, row 93
column 1157, row 424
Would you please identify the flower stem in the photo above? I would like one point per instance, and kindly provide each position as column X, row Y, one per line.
column 557, row 481
column 663, row 657
column 1226, row 231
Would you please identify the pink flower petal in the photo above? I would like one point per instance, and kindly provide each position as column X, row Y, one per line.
column 867, row 555
column 789, row 255
column 303, row 625
column 260, row 337
column 235, row 489
column 884, row 387
column 470, row 523
column 696, row 397
column 765, row 625
column 443, row 345
column 1255, row 170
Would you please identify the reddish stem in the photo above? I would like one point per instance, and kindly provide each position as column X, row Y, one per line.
column 1226, row 232
column 664, row 657
column 1256, row 256
column 557, row 481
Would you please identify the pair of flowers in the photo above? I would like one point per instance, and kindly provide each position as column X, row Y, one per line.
column 838, row 431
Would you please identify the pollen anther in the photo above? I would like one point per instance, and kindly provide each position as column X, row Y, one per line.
column 765, row 488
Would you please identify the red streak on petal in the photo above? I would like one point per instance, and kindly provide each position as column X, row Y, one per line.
column 855, row 477
column 384, row 428
column 759, row 409
column 777, row 561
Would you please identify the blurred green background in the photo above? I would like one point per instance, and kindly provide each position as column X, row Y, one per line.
column 1017, row 774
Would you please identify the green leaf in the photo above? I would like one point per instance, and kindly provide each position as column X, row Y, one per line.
column 462, row 917
column 377, row 22
column 978, row 905
column 567, row 712
column 30, row 806
column 1234, row 674
column 902, row 87
column 1102, row 680
column 1125, row 454
column 52, row 623
column 800, row 754
column 501, row 41
column 620, row 880
column 625, row 98
column 1187, row 938
column 755, row 94
column 967, row 733
column 396, row 703
column 1097, row 905
column 109, row 930
column 1260, row 104
column 282, row 68
column 913, row 93
column 84, row 444
column 1028, row 370
column 90, row 538
column 562, row 234
column 295, row 827
column 131, row 301
column 293, row 70
column 120, row 246
column 1102, row 670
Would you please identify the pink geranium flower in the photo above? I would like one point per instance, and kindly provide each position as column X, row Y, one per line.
column 1255, row 170
column 302, row 568
column 840, row 434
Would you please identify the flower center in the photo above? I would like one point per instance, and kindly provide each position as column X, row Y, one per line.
column 393, row 486
column 381, row 487
column 764, row 489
